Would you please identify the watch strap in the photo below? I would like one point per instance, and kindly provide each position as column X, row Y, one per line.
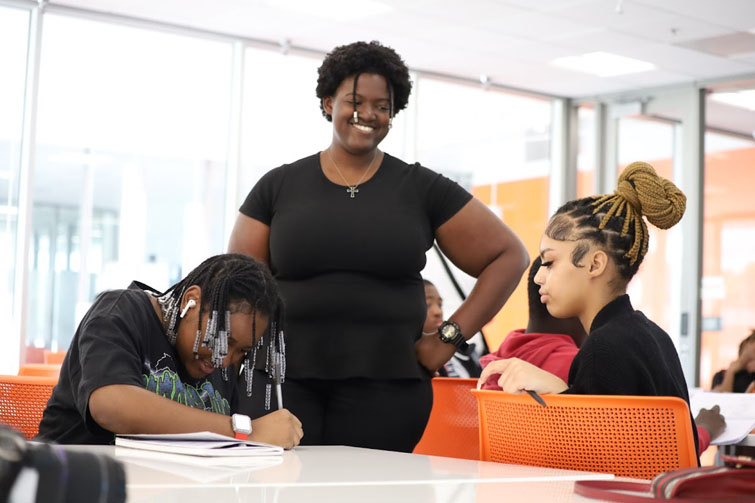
column 242, row 426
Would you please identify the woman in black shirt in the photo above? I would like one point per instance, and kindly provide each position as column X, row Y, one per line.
column 345, row 233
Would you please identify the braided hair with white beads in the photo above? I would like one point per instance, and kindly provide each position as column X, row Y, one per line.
column 231, row 283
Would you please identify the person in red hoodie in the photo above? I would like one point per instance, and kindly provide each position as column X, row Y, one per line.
column 551, row 344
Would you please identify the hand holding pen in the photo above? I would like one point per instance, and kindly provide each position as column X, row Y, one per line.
column 517, row 376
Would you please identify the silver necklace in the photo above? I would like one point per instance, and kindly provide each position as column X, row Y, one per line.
column 351, row 189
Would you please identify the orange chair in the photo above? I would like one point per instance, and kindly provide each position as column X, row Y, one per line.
column 54, row 356
column 452, row 429
column 22, row 401
column 629, row 436
column 40, row 369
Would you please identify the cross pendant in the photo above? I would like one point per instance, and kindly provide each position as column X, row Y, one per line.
column 352, row 189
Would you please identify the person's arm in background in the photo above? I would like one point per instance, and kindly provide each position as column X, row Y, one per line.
column 710, row 424
column 250, row 237
column 481, row 245
column 121, row 408
column 748, row 354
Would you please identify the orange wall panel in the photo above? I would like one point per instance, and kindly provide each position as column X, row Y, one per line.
column 524, row 204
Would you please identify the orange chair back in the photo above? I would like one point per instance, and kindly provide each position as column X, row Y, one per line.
column 40, row 369
column 54, row 356
column 452, row 429
column 629, row 436
column 22, row 401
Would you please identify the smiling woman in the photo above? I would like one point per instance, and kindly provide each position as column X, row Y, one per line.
column 355, row 300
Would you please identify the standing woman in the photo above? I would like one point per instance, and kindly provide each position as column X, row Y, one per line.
column 345, row 233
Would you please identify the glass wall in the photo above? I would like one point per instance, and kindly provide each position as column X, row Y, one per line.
column 497, row 145
column 281, row 118
column 652, row 142
column 14, row 34
column 130, row 165
column 728, row 283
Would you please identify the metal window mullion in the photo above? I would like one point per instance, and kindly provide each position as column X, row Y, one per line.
column 564, row 145
column 235, row 129
column 26, row 182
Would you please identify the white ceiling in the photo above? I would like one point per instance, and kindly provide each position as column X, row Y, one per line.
column 510, row 41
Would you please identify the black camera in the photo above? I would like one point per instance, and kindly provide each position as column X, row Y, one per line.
column 50, row 473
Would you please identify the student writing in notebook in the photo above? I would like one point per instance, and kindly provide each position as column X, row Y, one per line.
column 591, row 249
column 142, row 361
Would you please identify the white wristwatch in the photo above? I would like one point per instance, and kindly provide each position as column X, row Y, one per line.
column 242, row 426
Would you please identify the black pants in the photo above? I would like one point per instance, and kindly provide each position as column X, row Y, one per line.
column 386, row 414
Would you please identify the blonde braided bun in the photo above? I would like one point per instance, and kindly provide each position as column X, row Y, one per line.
column 641, row 192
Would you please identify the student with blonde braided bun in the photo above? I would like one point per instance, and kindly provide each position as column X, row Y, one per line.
column 591, row 249
column 142, row 361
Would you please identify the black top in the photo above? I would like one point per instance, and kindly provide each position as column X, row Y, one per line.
column 121, row 341
column 742, row 380
column 627, row 354
column 349, row 269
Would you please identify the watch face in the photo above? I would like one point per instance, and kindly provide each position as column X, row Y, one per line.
column 447, row 332
column 241, row 423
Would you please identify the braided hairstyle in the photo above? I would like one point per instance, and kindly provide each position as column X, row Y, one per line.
column 230, row 283
column 362, row 57
column 614, row 222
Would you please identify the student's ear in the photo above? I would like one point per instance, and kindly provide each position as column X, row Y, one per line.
column 598, row 263
column 194, row 292
column 327, row 105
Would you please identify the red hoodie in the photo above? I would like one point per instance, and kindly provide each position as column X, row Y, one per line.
column 552, row 353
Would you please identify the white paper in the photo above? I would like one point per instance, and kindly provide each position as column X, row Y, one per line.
column 738, row 410
column 203, row 444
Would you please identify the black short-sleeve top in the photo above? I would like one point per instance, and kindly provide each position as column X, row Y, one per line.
column 349, row 268
column 121, row 341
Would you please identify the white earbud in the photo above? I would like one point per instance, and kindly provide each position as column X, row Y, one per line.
column 191, row 303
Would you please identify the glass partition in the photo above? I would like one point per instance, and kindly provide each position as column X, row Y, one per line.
column 497, row 145
column 14, row 34
column 728, row 283
column 130, row 165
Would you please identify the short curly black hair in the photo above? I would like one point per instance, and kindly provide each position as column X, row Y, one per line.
column 363, row 57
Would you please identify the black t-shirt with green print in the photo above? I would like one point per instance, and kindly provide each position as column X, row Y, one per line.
column 121, row 341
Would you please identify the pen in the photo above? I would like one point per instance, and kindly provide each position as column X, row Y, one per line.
column 536, row 397
column 277, row 378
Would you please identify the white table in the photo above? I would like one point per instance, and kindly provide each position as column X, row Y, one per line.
column 336, row 474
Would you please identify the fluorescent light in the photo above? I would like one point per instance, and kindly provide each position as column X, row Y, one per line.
column 741, row 99
column 334, row 10
column 603, row 64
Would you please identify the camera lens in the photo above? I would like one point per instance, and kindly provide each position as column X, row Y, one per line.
column 76, row 476
column 56, row 474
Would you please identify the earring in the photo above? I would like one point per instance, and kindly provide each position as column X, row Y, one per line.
column 390, row 123
column 191, row 303
column 356, row 117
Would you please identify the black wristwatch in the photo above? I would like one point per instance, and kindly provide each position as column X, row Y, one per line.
column 450, row 333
